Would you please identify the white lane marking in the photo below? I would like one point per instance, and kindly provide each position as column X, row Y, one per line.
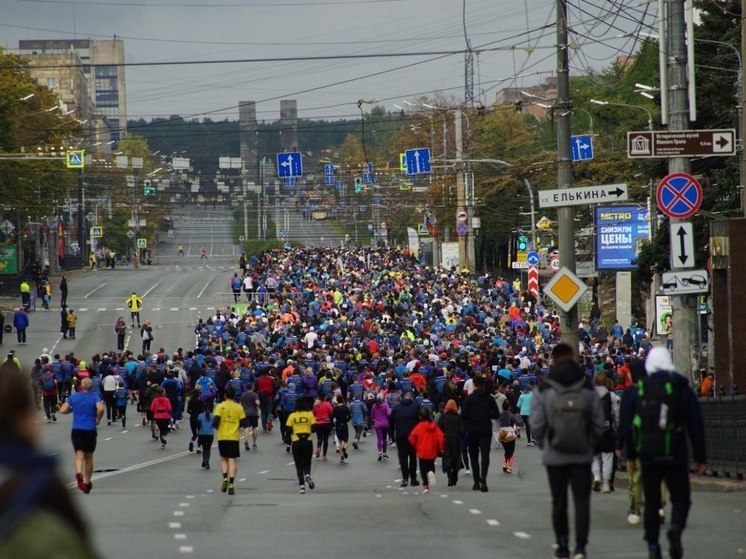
column 179, row 536
column 205, row 287
column 107, row 439
column 475, row 511
column 155, row 285
column 174, row 308
column 388, row 487
column 264, row 472
column 101, row 309
column 522, row 535
column 183, row 505
column 83, row 309
column 242, row 479
column 119, row 309
column 174, row 525
column 124, row 431
column 186, row 549
column 94, row 291
column 444, row 496
column 397, row 481
column 51, row 351
column 457, row 502
column 405, row 492
column 192, row 308
column 178, row 513
column 492, row 522
column 209, row 490
column 136, row 467
column 190, row 496
column 378, row 495
column 291, row 463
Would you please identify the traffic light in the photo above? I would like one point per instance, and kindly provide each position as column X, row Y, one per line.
column 148, row 189
column 522, row 242
column 358, row 185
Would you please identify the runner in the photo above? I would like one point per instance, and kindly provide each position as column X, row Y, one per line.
column 87, row 409
column 302, row 424
column 227, row 421
column 181, row 250
column 134, row 304
column 341, row 417
column 206, row 434
column 161, row 410
column 428, row 442
column 202, row 253
column 250, row 403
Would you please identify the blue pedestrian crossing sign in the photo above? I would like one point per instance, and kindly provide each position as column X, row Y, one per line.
column 75, row 159
column 417, row 161
column 581, row 147
column 532, row 257
column 289, row 164
column 287, row 246
column 340, row 185
column 368, row 178
column 328, row 168
column 329, row 180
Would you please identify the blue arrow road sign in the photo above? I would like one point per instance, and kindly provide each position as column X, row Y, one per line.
column 417, row 161
column 368, row 178
column 328, row 168
column 581, row 147
column 329, row 180
column 289, row 164
column 289, row 181
column 533, row 258
column 340, row 185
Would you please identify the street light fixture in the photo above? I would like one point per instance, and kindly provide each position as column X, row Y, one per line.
column 27, row 97
column 615, row 104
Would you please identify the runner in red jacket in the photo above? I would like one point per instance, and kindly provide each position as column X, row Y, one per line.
column 428, row 442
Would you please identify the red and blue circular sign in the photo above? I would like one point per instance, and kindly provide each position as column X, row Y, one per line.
column 679, row 195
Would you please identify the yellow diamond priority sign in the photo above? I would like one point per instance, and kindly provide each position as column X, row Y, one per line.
column 565, row 289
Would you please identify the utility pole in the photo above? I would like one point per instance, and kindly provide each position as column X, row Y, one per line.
column 81, row 219
column 534, row 245
column 683, row 307
column 463, row 255
column 566, row 214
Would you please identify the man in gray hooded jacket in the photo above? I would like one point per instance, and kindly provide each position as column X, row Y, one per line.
column 567, row 395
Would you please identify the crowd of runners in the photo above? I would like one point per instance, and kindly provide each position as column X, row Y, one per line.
column 334, row 346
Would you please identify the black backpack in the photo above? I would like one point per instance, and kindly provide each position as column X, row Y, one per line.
column 656, row 420
column 606, row 441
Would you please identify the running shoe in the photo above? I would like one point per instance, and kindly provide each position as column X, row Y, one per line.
column 224, row 485
column 341, row 459
column 606, row 488
column 88, row 487
column 231, row 489
column 633, row 518
column 404, row 483
column 80, row 482
column 483, row 486
column 287, row 448
column 596, row 484
column 467, row 472
column 385, row 456
column 380, row 457
column 302, row 490
column 431, row 480
column 675, row 549
column 54, row 417
column 344, row 453
column 191, row 446
column 355, row 446
column 579, row 554
column 246, row 446
column 253, row 447
column 414, row 483
column 509, row 471
column 309, row 481
column 475, row 486
column 425, row 490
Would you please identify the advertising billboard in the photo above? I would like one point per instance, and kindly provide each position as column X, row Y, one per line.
column 620, row 232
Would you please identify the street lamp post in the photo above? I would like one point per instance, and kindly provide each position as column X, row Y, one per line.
column 615, row 104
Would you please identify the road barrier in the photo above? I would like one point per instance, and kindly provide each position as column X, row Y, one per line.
column 223, row 300
column 158, row 317
column 725, row 432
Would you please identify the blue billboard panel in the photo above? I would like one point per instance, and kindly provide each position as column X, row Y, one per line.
column 620, row 232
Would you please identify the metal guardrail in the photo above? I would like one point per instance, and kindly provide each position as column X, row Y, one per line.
column 158, row 317
column 725, row 432
column 223, row 300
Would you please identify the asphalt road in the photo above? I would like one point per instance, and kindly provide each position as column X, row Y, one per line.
column 308, row 232
column 148, row 502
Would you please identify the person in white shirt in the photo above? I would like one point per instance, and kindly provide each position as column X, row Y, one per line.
column 110, row 384
column 310, row 338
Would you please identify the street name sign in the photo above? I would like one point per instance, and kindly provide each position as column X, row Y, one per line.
column 520, row 265
column 685, row 282
column 682, row 245
column 602, row 194
column 681, row 143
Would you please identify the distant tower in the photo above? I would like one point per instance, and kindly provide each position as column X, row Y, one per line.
column 289, row 124
column 248, row 139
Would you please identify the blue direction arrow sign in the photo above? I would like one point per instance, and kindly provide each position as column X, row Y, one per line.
column 289, row 164
column 533, row 258
column 581, row 147
column 368, row 178
column 340, row 185
column 417, row 161
column 679, row 195
column 329, row 180
column 328, row 168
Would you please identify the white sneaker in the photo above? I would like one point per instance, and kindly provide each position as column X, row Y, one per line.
column 467, row 472
column 606, row 488
column 431, row 480
column 633, row 518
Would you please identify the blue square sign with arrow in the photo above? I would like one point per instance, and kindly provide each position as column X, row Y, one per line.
column 581, row 147
column 417, row 161
column 289, row 164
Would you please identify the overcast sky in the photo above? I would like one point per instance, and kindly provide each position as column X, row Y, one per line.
column 171, row 30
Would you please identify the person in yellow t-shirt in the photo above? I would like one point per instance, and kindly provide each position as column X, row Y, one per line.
column 227, row 419
column 301, row 424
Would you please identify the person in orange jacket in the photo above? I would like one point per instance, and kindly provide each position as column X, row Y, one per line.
column 428, row 442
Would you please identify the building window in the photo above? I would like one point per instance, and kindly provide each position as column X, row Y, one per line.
column 106, row 72
column 106, row 84
column 51, row 83
column 107, row 98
